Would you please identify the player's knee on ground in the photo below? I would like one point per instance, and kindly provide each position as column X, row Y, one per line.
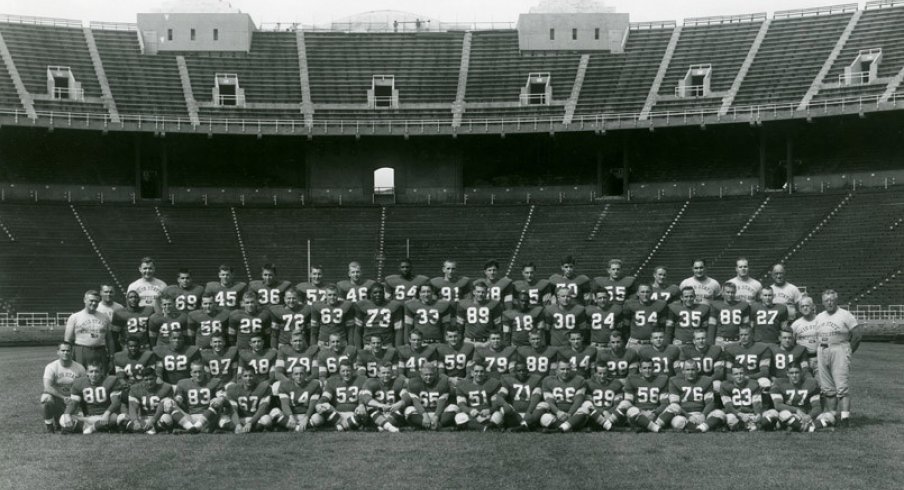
column 696, row 418
column 165, row 422
column 316, row 420
column 226, row 423
column 265, row 421
column 547, row 420
column 679, row 422
column 277, row 416
column 497, row 418
column 732, row 420
column 461, row 419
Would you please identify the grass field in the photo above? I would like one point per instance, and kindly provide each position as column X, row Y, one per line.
column 868, row 455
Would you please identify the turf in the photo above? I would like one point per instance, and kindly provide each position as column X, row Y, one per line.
column 868, row 455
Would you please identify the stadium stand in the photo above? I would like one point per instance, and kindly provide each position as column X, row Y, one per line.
column 9, row 99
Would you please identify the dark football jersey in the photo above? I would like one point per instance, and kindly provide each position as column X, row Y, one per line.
column 767, row 321
column 620, row 290
column 729, row 318
column 668, row 294
column 603, row 321
column 479, row 320
column 247, row 400
column 285, row 321
column 246, row 325
column 692, row 397
column 145, row 400
column 562, row 321
column 519, row 393
column 644, row 318
column 476, row 396
column 196, row 397
column 300, row 397
column 287, row 358
column 521, row 323
column 383, row 320
column 663, row 360
column 539, row 362
column 402, row 289
column 579, row 285
column 500, row 290
column 710, row 361
column 783, row 359
column 328, row 360
column 388, row 393
column 804, row 395
column 430, row 320
column 354, row 292
column 312, row 293
column 536, row 291
column 411, row 361
column 96, row 399
column 269, row 294
column 176, row 364
column 226, row 297
column 497, row 362
column 603, row 394
column 454, row 362
column 686, row 320
column 428, row 395
column 563, row 393
column 184, row 299
column 333, row 319
column 128, row 322
column 451, row 291
column 755, row 358
column 647, row 394
column 343, row 395
column 127, row 367
column 621, row 365
column 741, row 397
column 262, row 362
column 205, row 325
column 582, row 360
column 162, row 325
column 371, row 361
column 221, row 364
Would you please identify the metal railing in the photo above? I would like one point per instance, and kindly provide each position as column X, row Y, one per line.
column 41, row 21
column 690, row 91
column 533, row 99
column 66, row 93
column 878, row 312
column 854, row 78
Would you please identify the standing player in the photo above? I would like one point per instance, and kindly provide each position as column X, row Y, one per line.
column 646, row 397
column 519, row 396
column 620, row 361
column 427, row 397
column 198, row 399
column 578, row 285
column 169, row 320
column 727, row 316
column 644, row 315
column 107, row 306
column 785, row 293
column 804, row 330
column 839, row 337
column 414, row 355
column 298, row 399
column 539, row 291
column 496, row 356
column 580, row 355
column 564, row 317
column 499, row 289
column 375, row 355
column 207, row 321
column 404, row 285
column 479, row 409
column 452, row 288
column 382, row 398
column 186, row 295
column 479, row 316
column 662, row 290
column 291, row 317
column 355, row 288
column 378, row 316
column 220, row 361
column 604, row 317
column 150, row 403
column 754, row 357
column 742, row 401
column 685, row 317
column 706, row 288
column 796, row 402
column 768, row 318
column 663, row 355
column 340, row 404
column 174, row 359
column 314, row 289
column 748, row 288
column 131, row 361
column 787, row 354
column 455, row 357
column 563, row 407
column 269, row 289
column 147, row 286
column 227, row 292
column 94, row 401
column 251, row 320
column 249, row 402
column 427, row 316
column 333, row 316
column 620, row 287
column 91, row 334
column 336, row 352
column 709, row 358
column 132, row 320
column 605, row 393
column 59, row 376
column 538, row 357
column 692, row 406
column 522, row 319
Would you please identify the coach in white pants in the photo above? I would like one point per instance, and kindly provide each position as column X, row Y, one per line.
column 838, row 337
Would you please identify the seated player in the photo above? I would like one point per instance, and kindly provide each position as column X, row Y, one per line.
column 332, row 316
column 754, row 357
column 355, row 288
column 174, row 360
column 538, row 356
column 692, row 402
column 340, row 404
column 270, row 291
column 298, row 399
column 379, row 316
column 414, row 355
column 796, row 402
column 132, row 320
column 581, row 356
column 150, row 403
column 428, row 316
column 523, row 318
column 198, row 400
column 296, row 353
column 169, row 320
column 563, row 407
column 376, row 355
column 787, row 354
column 450, row 286
column 563, row 317
column 248, row 321
column 478, row 407
column 132, row 360
column 328, row 359
column 479, row 316
column 742, row 401
column 293, row 316
column 709, row 358
column 207, row 321
column 646, row 397
column 220, row 361
column 260, row 359
column 605, row 392
column 519, row 396
column 604, row 317
column 249, row 402
column 455, row 357
column 663, row 355
column 686, row 317
column 94, row 402
column 58, row 378
column 382, row 398
column 427, row 397
column 622, row 362
column 496, row 356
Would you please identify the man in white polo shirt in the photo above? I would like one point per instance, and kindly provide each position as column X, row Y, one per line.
column 58, row 378
column 838, row 337
column 90, row 332
column 705, row 288
column 147, row 286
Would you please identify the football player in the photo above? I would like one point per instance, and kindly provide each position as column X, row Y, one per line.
column 604, row 317
column 455, row 357
column 268, row 288
column 150, row 403
column 662, row 290
column 428, row 316
column 768, row 318
column 332, row 316
column 709, row 358
column 132, row 320
column 538, row 356
column 787, row 354
column 298, row 399
column 644, row 315
column 329, row 358
column 59, row 376
column 692, row 405
column 291, row 317
column 259, row 358
column 94, row 402
column 620, row 361
column 296, row 353
column 382, row 398
column 785, row 293
column 174, row 360
column 796, row 401
column 198, row 400
column 685, row 317
column 748, row 289
column 375, row 355
column 577, row 285
column 132, row 360
column 478, row 405
column 754, row 357
column 663, row 355
column 519, row 396
column 499, row 289
column 227, row 292
column 605, row 393
column 314, row 289
column 249, row 402
column 161, row 325
column 564, row 317
column 378, row 316
column 186, row 295
column 538, row 291
column 580, row 355
column 355, row 288
column 522, row 319
column 340, row 404
column 207, row 321
column 742, row 401
column 496, row 356
column 706, row 288
column 479, row 316
column 427, row 396
column 404, row 285
column 220, row 361
column 727, row 316
column 646, row 397
column 452, row 288
column 248, row 322
column 147, row 286
column 619, row 286
column 414, row 355
column 563, row 407
column 804, row 330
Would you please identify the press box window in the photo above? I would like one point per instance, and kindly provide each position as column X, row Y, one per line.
column 596, row 34
column 169, row 34
column 216, row 34
column 193, row 34
column 574, row 34
column 552, row 34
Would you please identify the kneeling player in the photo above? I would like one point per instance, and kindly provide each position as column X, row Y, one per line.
column 249, row 400
column 692, row 405
column 605, row 392
column 150, row 403
column 339, row 404
column 742, row 400
column 563, row 407
column 198, row 400
column 298, row 398
column 479, row 408
column 796, row 401
column 382, row 398
column 428, row 399
column 646, row 396
column 94, row 402
column 519, row 396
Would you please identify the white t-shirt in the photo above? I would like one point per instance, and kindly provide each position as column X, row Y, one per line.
column 706, row 290
column 748, row 290
column 87, row 329
column 805, row 333
column 108, row 310
column 148, row 291
column 835, row 328
column 61, row 377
